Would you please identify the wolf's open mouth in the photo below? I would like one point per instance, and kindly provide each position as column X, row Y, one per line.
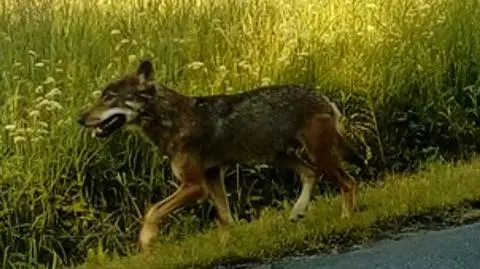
column 109, row 125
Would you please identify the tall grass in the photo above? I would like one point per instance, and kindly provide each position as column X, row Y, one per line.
column 403, row 71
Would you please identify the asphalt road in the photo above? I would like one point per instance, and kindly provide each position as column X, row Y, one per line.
column 453, row 248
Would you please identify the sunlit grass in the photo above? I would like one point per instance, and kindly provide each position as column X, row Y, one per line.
column 63, row 193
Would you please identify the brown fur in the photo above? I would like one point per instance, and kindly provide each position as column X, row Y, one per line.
column 286, row 125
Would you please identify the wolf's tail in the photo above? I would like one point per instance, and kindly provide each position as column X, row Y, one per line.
column 348, row 152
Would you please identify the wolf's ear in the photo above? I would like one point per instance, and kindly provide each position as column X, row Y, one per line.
column 145, row 71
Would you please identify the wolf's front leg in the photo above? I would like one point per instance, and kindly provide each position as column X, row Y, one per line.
column 215, row 185
column 188, row 170
column 153, row 216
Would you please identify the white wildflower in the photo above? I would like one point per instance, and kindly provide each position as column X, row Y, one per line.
column 195, row 65
column 49, row 80
column 43, row 124
column 54, row 105
column 424, row 7
column 132, row 58
column 42, row 132
column 441, row 19
column 283, row 59
column 42, row 103
column 36, row 139
column 34, row 113
column 18, row 139
column 39, row 90
column 179, row 40
column 10, row 127
column 266, row 81
column 244, row 64
column 96, row 93
column 39, row 99
column 53, row 92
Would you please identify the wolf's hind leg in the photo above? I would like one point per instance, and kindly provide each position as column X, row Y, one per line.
column 308, row 179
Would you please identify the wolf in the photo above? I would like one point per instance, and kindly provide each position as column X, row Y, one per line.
column 287, row 125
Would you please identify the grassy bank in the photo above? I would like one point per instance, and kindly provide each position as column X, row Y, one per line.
column 397, row 202
column 405, row 74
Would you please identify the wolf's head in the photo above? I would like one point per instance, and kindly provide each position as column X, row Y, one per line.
column 121, row 102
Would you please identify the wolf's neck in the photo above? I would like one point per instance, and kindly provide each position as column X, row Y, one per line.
column 162, row 123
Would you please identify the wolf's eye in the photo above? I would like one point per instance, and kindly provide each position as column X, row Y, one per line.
column 108, row 98
column 105, row 97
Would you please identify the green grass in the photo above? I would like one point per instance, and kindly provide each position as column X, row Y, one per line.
column 390, row 205
column 404, row 72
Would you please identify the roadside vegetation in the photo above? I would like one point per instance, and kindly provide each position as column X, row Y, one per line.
column 442, row 195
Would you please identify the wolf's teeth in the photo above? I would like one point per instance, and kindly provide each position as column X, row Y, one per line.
column 96, row 131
